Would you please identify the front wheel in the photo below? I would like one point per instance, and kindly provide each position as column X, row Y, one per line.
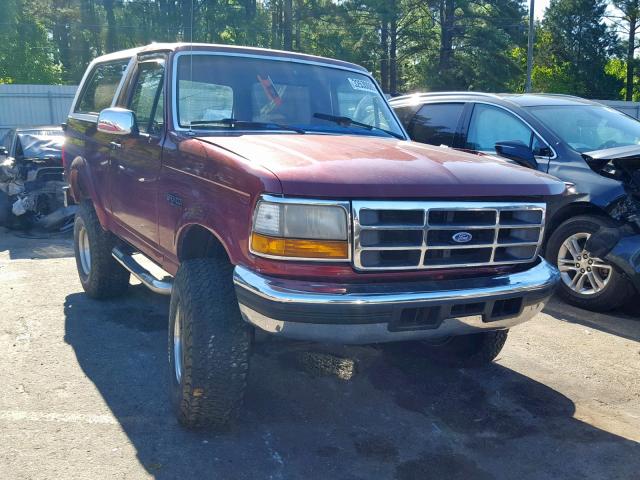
column 586, row 281
column 209, row 345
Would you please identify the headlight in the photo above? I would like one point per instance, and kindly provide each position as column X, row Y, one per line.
column 305, row 230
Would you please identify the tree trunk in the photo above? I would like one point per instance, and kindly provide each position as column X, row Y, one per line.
column 393, row 58
column 297, row 20
column 447, row 8
column 112, row 37
column 384, row 60
column 275, row 24
column 60, row 33
column 630, row 56
column 287, row 29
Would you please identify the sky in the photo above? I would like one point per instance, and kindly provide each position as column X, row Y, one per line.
column 539, row 8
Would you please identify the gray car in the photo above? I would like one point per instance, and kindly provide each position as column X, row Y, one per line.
column 593, row 235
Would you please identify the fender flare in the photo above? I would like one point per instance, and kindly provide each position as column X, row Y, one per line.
column 183, row 230
column 82, row 187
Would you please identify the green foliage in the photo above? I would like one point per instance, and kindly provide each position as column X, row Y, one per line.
column 573, row 47
column 26, row 55
column 409, row 45
column 617, row 68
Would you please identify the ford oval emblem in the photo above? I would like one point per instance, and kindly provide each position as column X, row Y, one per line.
column 462, row 237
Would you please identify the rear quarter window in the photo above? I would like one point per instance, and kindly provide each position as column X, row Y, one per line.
column 100, row 87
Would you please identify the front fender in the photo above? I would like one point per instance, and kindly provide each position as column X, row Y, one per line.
column 83, row 189
column 626, row 256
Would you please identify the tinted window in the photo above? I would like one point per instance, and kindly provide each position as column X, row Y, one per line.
column 490, row 125
column 147, row 96
column 437, row 123
column 101, row 87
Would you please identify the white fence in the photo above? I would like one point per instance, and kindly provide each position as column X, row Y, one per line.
column 31, row 105
column 630, row 108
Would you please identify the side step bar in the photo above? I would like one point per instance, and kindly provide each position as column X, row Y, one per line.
column 162, row 287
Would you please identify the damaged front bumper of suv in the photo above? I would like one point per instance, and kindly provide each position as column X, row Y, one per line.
column 372, row 313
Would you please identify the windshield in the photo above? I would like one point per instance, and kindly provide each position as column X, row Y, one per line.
column 589, row 127
column 217, row 92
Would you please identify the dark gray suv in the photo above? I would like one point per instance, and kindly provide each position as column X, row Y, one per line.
column 593, row 236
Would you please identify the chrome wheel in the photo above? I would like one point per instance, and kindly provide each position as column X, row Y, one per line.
column 581, row 272
column 177, row 344
column 84, row 250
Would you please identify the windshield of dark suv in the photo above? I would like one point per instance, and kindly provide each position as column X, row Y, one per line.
column 586, row 128
column 219, row 92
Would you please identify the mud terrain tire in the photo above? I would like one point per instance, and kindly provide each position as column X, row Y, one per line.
column 100, row 274
column 209, row 345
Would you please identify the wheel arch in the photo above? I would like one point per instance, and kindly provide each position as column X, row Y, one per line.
column 570, row 211
column 198, row 241
column 83, row 189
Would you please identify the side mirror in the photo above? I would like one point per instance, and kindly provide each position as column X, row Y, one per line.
column 117, row 121
column 518, row 152
column 4, row 152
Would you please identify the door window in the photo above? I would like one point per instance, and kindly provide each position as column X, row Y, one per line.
column 146, row 99
column 437, row 123
column 490, row 125
column 101, row 87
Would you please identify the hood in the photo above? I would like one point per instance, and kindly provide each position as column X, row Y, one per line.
column 616, row 153
column 353, row 166
column 619, row 163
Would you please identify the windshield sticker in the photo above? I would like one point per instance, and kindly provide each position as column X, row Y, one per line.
column 270, row 90
column 365, row 85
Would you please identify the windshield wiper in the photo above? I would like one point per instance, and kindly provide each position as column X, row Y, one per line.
column 347, row 121
column 235, row 123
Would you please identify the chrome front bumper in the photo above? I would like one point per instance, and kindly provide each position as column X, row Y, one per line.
column 372, row 312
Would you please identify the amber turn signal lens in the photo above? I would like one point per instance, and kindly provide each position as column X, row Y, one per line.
column 292, row 247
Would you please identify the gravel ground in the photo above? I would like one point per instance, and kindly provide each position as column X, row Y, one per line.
column 84, row 396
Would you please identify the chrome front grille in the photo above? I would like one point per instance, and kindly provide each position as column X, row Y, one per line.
column 408, row 235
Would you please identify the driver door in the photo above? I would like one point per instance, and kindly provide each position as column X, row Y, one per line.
column 135, row 161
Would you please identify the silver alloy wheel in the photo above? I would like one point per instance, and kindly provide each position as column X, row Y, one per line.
column 84, row 250
column 581, row 272
column 177, row 344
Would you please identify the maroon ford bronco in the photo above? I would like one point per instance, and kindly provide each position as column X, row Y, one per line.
column 280, row 192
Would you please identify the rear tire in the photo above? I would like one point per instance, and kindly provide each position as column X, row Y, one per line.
column 617, row 289
column 209, row 345
column 100, row 274
column 474, row 350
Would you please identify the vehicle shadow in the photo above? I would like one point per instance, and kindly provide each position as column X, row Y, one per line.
column 343, row 412
column 623, row 322
column 34, row 246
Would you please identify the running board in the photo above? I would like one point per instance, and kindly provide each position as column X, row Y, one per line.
column 162, row 287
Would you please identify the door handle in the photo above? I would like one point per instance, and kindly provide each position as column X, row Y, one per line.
column 115, row 145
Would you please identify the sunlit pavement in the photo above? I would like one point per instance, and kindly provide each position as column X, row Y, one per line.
column 84, row 396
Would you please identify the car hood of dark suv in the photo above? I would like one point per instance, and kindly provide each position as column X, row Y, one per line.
column 356, row 166
column 619, row 163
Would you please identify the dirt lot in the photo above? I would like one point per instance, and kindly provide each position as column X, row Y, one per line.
column 84, row 396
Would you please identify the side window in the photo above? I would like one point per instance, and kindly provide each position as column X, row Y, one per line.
column 146, row 98
column 437, row 123
column 101, row 87
column 490, row 125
